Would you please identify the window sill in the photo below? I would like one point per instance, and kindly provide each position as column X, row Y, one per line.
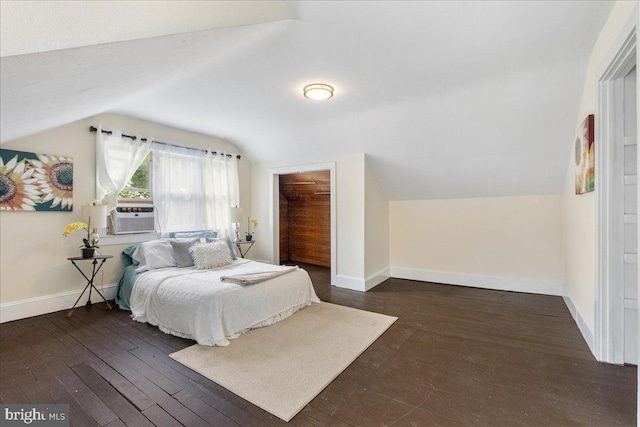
column 123, row 239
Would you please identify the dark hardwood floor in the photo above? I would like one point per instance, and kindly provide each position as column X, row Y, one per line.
column 456, row 356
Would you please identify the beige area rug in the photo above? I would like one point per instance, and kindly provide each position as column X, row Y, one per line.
column 282, row 367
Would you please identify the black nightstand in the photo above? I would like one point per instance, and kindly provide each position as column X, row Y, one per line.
column 96, row 268
column 240, row 243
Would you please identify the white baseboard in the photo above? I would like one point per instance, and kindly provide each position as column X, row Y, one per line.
column 362, row 284
column 532, row 286
column 350, row 282
column 376, row 278
column 49, row 303
column 587, row 334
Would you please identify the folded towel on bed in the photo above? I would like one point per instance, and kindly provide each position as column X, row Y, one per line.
column 256, row 276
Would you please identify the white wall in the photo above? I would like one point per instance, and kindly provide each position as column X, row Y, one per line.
column 350, row 218
column 376, row 229
column 33, row 264
column 511, row 243
column 579, row 211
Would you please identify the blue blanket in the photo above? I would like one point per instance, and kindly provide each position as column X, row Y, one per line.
column 125, row 285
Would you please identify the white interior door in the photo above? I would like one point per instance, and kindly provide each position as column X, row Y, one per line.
column 630, row 218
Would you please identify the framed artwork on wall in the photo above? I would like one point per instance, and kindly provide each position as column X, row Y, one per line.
column 35, row 182
column 585, row 156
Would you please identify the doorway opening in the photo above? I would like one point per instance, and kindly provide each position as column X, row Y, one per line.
column 305, row 218
column 616, row 337
column 303, row 215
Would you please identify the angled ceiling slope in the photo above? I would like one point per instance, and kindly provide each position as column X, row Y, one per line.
column 448, row 99
column 69, row 24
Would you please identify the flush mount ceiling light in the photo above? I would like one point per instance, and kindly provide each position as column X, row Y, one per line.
column 318, row 91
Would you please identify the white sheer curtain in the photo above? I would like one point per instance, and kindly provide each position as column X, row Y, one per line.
column 193, row 189
column 117, row 159
column 222, row 190
column 177, row 188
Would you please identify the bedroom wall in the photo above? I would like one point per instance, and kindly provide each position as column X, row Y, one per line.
column 579, row 211
column 376, row 218
column 34, row 271
column 350, row 212
column 511, row 243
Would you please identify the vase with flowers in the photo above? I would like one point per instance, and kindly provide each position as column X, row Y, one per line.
column 254, row 222
column 88, row 249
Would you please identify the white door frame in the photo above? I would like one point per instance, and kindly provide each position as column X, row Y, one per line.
column 609, row 306
column 274, row 211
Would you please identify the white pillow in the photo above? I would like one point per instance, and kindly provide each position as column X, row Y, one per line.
column 154, row 254
column 234, row 255
column 210, row 255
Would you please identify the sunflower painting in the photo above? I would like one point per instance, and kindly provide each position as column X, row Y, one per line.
column 35, row 182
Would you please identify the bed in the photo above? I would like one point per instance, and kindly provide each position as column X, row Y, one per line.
column 198, row 304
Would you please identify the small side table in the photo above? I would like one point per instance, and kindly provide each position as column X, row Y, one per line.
column 241, row 243
column 96, row 268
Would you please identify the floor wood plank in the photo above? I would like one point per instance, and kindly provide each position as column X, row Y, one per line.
column 205, row 411
column 132, row 393
column 163, row 363
column 456, row 356
column 159, row 417
column 127, row 413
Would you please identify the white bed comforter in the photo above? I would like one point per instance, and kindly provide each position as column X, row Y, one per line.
column 195, row 304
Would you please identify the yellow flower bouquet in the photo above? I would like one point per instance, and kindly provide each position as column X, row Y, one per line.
column 75, row 226
column 254, row 222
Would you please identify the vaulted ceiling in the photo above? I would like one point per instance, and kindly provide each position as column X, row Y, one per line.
column 448, row 99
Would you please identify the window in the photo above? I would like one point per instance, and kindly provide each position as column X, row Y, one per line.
column 117, row 161
column 138, row 189
column 193, row 189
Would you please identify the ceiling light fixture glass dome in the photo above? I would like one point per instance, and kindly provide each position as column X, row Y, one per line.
column 318, row 91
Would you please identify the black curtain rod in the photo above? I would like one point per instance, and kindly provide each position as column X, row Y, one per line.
column 108, row 132
column 134, row 138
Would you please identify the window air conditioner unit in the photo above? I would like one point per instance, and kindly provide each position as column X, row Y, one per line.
column 131, row 219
